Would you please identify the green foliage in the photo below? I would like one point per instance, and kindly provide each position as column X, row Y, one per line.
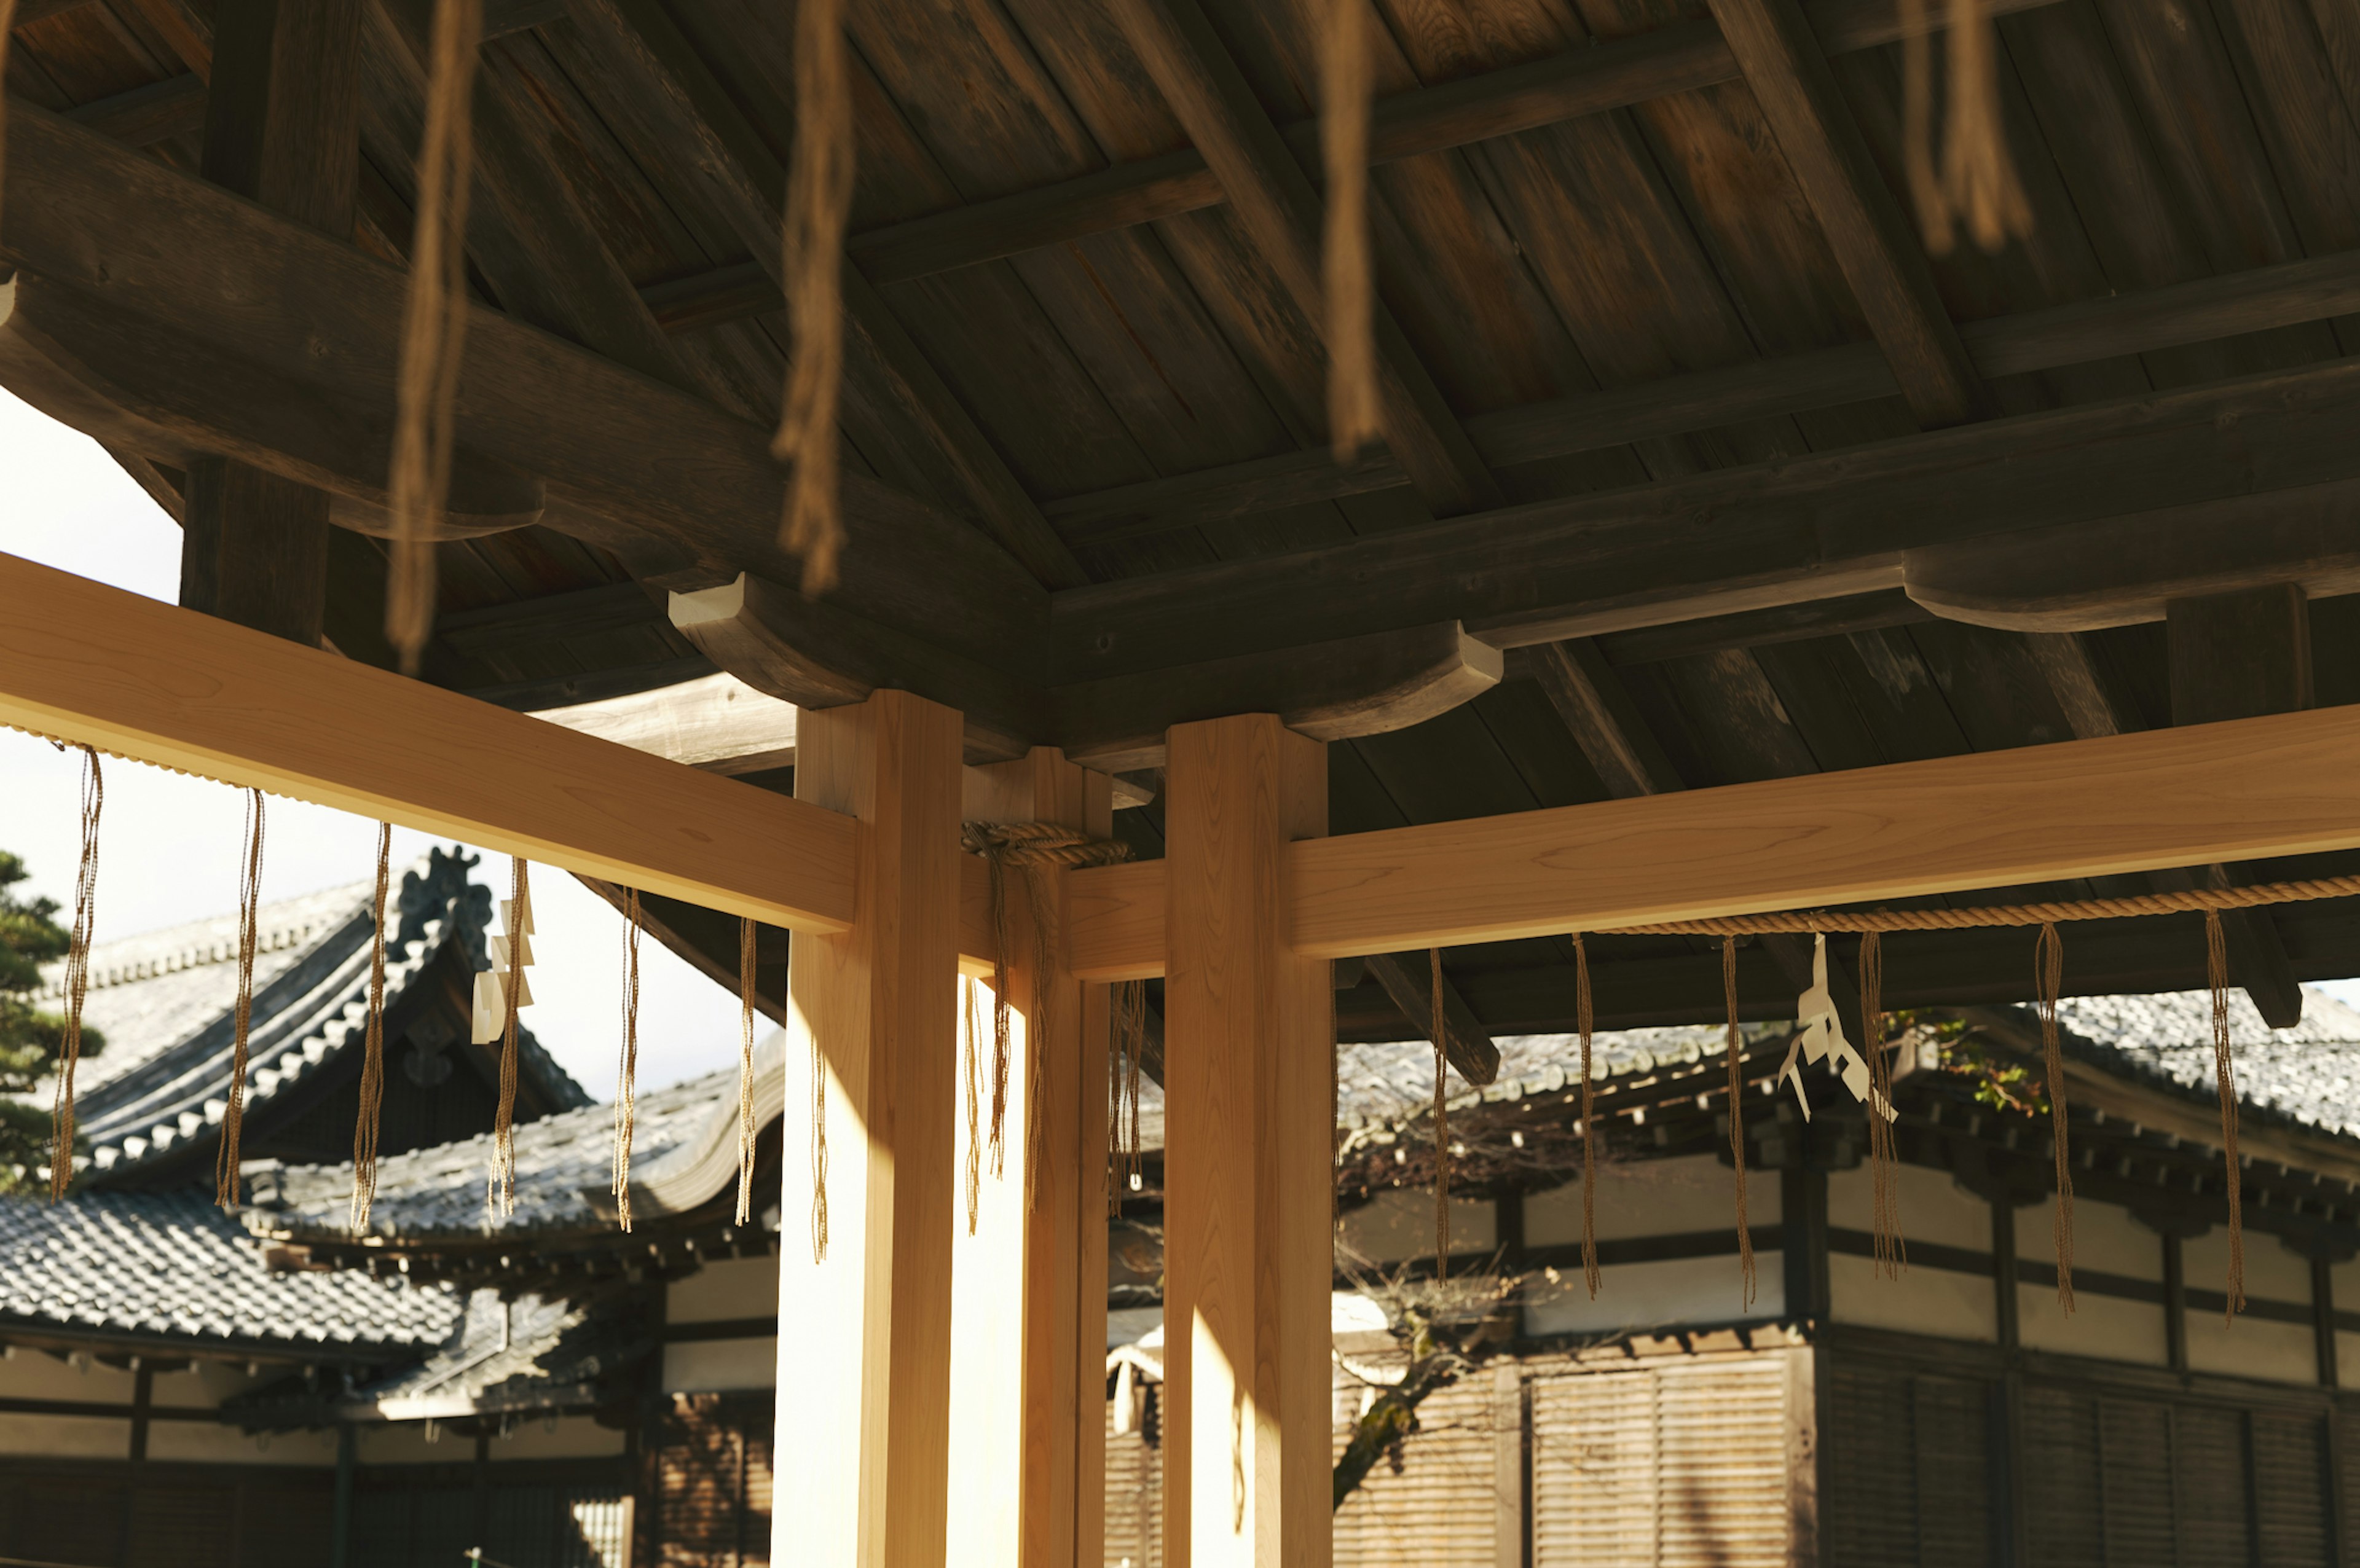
column 29, row 1038
column 2000, row 1082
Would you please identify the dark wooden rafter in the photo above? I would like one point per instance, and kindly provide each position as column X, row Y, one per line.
column 1875, row 245
column 711, row 136
column 1408, row 979
column 2283, row 294
column 1281, row 214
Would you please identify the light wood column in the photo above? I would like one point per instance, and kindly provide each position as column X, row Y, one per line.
column 864, row 1334
column 1249, row 1116
column 1028, row 1347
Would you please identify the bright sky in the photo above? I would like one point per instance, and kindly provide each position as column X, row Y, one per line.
column 170, row 845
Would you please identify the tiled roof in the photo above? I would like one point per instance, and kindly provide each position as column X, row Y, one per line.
column 165, row 1002
column 2308, row 1075
column 529, row 1353
column 564, row 1165
column 168, row 1264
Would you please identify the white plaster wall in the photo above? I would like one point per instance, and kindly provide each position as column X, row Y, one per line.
column 1652, row 1197
column 37, row 1375
column 1400, row 1224
column 1922, row 1300
column 2345, row 1281
column 205, row 1383
column 2347, row 1359
column 1636, row 1297
column 2110, row 1328
column 713, row 1366
column 726, row 1288
column 1933, row 1207
column 2254, row 1348
column 202, row 1443
column 2105, row 1237
column 66, row 1437
column 568, row 1437
column 2272, row 1272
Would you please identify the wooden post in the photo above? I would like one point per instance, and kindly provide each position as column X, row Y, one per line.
column 1028, row 1448
column 282, row 126
column 864, row 1332
column 1249, row 1107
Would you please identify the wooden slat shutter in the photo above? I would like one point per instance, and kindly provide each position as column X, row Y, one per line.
column 2065, row 1524
column 1134, row 1498
column 2209, row 1484
column 2135, row 1449
column 713, row 1482
column 183, row 1526
column 1681, row 1465
column 1908, row 1472
column 1429, row 1503
column 1951, row 1432
column 2291, row 1490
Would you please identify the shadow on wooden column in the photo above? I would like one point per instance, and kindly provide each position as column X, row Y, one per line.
column 1249, row 1054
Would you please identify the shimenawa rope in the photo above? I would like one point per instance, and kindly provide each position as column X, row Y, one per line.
column 745, row 1069
column 626, row 1071
column 76, row 977
column 1441, row 1127
column 227, row 1191
column 1737, row 1115
column 1346, row 286
column 365, row 1128
column 1811, row 922
column 433, row 330
column 819, row 203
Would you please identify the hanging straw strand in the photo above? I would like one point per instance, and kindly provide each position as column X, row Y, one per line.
column 970, row 1036
column 1441, row 1129
column 76, row 977
column 1977, row 172
column 365, row 1127
column 1041, row 894
column 499, row 1196
column 433, row 330
column 819, row 203
column 226, row 1187
column 1737, row 1117
column 1002, row 1023
column 819, row 1150
column 1975, row 917
column 2225, row 1077
column 1348, row 285
column 745, row 1069
column 1884, row 1160
column 2049, row 980
column 1584, row 1018
column 627, row 1075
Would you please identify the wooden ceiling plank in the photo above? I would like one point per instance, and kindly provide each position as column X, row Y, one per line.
column 95, row 664
column 2316, row 288
column 145, row 116
column 1872, row 237
column 723, row 147
column 1279, row 212
column 1822, row 527
column 2247, row 789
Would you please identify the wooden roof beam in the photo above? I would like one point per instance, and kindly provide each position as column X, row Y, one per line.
column 2249, row 789
column 2316, row 288
column 1281, row 214
column 714, row 141
column 95, row 664
column 1874, row 243
column 2091, row 515
column 1407, row 978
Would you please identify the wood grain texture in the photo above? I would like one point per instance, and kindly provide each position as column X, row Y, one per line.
column 1873, row 240
column 2250, row 789
column 184, row 691
column 865, row 1334
column 1249, row 1095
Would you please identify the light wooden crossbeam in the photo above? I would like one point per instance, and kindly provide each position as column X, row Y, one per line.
column 2245, row 790
column 90, row 663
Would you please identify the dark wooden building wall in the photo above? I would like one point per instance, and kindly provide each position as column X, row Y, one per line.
column 118, row 1514
column 707, row 1484
column 557, row 1513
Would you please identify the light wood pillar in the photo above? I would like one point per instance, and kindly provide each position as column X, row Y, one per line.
column 1027, row 1349
column 864, row 1334
column 1248, row 1195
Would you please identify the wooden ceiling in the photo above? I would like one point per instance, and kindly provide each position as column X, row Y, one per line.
column 1685, row 420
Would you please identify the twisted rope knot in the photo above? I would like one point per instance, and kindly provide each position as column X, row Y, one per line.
column 1040, row 844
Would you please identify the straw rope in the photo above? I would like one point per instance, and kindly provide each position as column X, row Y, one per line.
column 226, row 1189
column 970, row 1041
column 819, row 204
column 1884, row 1160
column 1973, row 185
column 77, row 976
column 2224, row 1076
column 1130, row 1065
column 745, row 1069
column 499, row 1193
column 1810, row 922
column 1737, row 1117
column 1441, row 1129
column 626, row 1071
column 2048, row 983
column 365, row 1128
column 819, row 1150
column 1346, row 272
column 433, row 330
column 1585, row 1020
